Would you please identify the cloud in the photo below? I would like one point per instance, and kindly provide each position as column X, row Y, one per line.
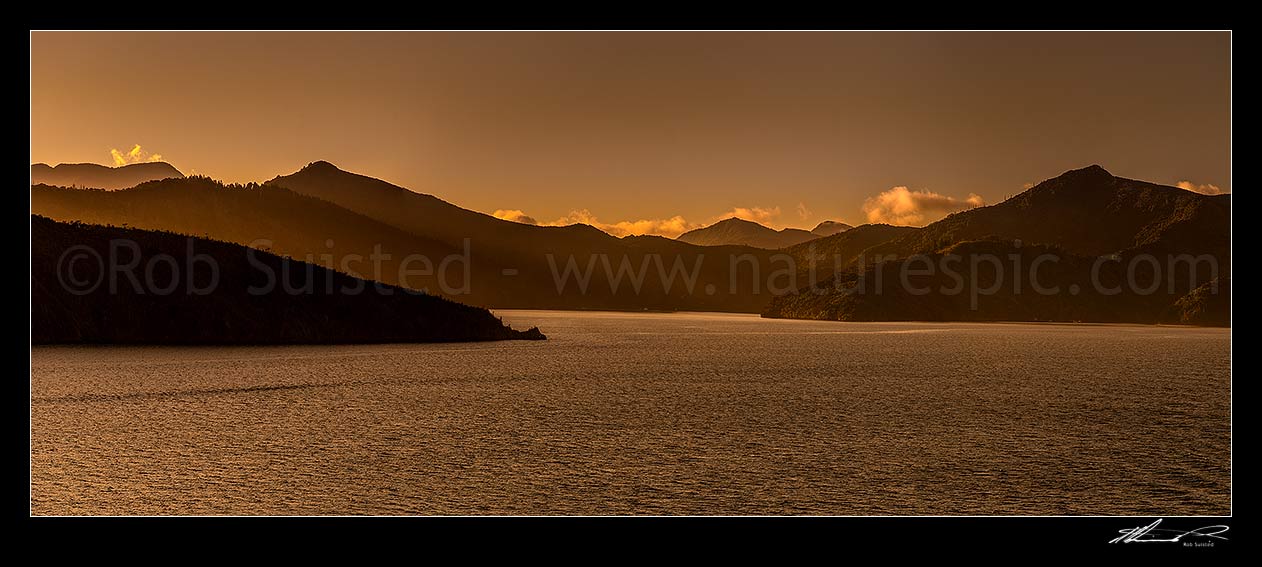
column 134, row 155
column 670, row 228
column 803, row 212
column 1029, row 185
column 514, row 215
column 902, row 206
column 1206, row 189
column 755, row 214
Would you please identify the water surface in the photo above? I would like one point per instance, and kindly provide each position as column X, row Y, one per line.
column 630, row 413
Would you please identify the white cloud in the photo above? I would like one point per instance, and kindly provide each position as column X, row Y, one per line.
column 755, row 214
column 670, row 228
column 514, row 215
column 803, row 212
column 902, row 206
column 135, row 155
column 1205, row 189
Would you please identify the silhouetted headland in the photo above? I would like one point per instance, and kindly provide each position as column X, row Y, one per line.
column 258, row 298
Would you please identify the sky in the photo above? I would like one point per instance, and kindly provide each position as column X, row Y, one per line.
column 650, row 132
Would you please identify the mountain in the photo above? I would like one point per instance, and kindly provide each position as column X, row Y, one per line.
column 424, row 214
column 569, row 267
column 740, row 232
column 829, row 228
column 210, row 292
column 1115, row 249
column 1087, row 211
column 91, row 175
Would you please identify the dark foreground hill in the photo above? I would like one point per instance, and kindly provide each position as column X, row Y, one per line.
column 106, row 285
column 91, row 175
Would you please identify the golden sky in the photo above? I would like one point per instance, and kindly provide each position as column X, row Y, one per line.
column 649, row 132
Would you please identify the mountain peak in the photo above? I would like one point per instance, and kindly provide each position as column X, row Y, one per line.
column 737, row 231
column 829, row 228
column 1093, row 170
column 1086, row 179
column 321, row 166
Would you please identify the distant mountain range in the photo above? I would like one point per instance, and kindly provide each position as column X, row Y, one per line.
column 324, row 212
column 93, row 176
column 330, row 216
column 1096, row 226
column 188, row 309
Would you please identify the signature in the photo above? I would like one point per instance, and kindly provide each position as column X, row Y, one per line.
column 1152, row 534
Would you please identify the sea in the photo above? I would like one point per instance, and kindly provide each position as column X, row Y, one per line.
column 647, row 414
